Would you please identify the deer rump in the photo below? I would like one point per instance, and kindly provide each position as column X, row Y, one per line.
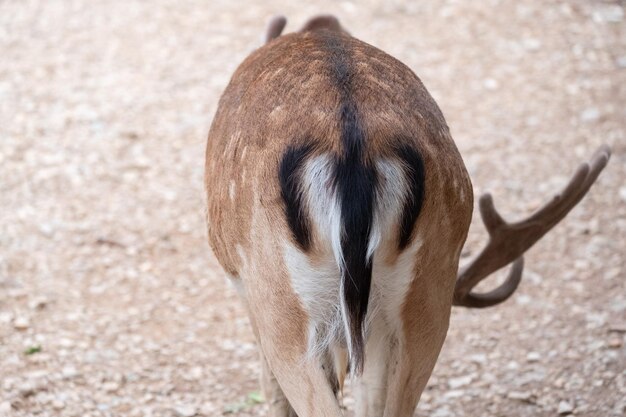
column 347, row 204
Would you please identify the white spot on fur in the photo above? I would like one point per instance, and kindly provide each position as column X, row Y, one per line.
column 459, row 188
column 242, row 255
column 276, row 111
column 231, row 190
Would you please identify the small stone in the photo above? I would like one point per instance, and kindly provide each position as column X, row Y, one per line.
column 66, row 343
column 590, row 115
column 459, row 382
column 69, row 372
column 442, row 412
column 110, row 386
column 480, row 358
column 21, row 323
column 618, row 327
column 491, row 84
column 565, row 408
column 615, row 342
column 186, row 410
column 622, row 194
column 611, row 13
column 456, row 393
column 58, row 404
column 531, row 44
column 533, row 357
column 6, row 317
column 196, row 373
column 519, row 395
column 47, row 229
column 38, row 303
column 103, row 407
column 5, row 408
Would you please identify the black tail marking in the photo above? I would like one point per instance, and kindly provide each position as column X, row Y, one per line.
column 355, row 184
column 289, row 176
column 413, row 165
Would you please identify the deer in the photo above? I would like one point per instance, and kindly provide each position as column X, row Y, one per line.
column 338, row 205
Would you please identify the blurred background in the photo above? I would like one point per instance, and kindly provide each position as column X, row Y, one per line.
column 111, row 303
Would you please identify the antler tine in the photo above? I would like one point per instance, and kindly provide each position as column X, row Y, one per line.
column 500, row 294
column 491, row 218
column 509, row 241
column 581, row 182
column 275, row 27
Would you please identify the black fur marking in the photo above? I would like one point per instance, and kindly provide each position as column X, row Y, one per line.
column 355, row 183
column 289, row 175
column 414, row 170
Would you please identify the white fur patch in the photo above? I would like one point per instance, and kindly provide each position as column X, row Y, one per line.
column 231, row 190
column 390, row 197
column 320, row 286
column 323, row 205
column 391, row 282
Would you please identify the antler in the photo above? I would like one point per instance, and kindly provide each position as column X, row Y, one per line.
column 275, row 28
column 509, row 241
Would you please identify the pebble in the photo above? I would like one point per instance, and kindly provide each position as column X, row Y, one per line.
column 459, row 382
column 531, row 44
column 38, row 303
column 442, row 412
column 69, row 372
column 590, row 115
column 480, row 358
column 58, row 404
column 565, row 408
column 21, row 323
column 618, row 327
column 491, row 84
column 5, row 408
column 110, row 386
column 609, row 13
column 519, row 395
column 533, row 357
column 615, row 342
column 186, row 410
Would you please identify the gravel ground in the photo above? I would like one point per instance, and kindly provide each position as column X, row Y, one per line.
column 110, row 301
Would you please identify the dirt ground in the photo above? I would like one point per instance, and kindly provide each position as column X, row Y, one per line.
column 111, row 303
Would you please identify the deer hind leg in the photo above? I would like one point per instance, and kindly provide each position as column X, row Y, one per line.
column 275, row 397
column 280, row 324
column 370, row 390
column 425, row 324
column 273, row 393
